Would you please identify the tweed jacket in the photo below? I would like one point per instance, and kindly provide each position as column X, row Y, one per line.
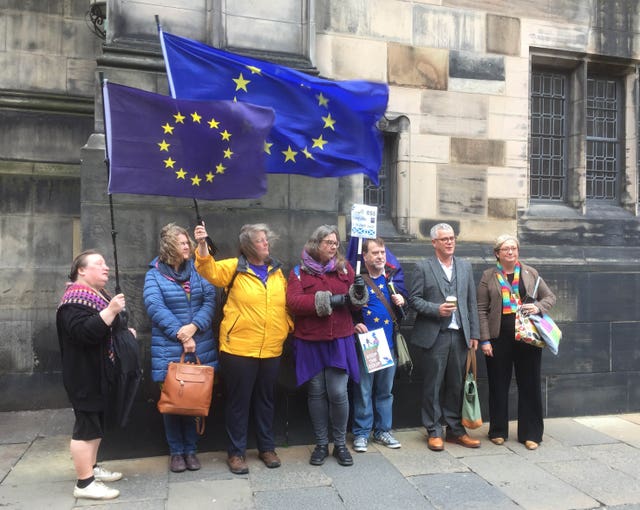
column 490, row 299
column 428, row 292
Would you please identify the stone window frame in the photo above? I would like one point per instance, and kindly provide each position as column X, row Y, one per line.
column 579, row 68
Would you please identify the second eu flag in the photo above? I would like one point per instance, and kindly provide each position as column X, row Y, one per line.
column 159, row 145
column 323, row 128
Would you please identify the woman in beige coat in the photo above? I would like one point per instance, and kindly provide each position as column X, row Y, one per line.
column 502, row 289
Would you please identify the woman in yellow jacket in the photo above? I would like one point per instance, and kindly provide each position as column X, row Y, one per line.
column 254, row 327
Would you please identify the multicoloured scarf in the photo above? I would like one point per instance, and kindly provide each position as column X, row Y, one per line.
column 79, row 294
column 314, row 267
column 510, row 297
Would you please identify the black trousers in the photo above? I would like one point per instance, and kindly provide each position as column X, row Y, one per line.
column 249, row 389
column 509, row 355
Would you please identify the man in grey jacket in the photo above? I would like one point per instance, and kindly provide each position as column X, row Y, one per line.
column 443, row 294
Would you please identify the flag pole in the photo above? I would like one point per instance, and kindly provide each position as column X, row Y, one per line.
column 114, row 233
column 210, row 245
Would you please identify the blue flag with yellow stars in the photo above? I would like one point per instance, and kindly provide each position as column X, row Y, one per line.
column 323, row 128
column 158, row 145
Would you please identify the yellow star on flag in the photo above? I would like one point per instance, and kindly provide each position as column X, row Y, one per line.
column 168, row 163
column 164, row 146
column 322, row 101
column 329, row 122
column 319, row 142
column 386, row 321
column 195, row 117
column 168, row 129
column 180, row 174
column 307, row 153
column 254, row 69
column 195, row 181
column 289, row 155
column 209, row 177
column 267, row 147
column 376, row 319
column 241, row 83
column 220, row 168
column 228, row 153
column 179, row 118
column 225, row 135
column 213, row 124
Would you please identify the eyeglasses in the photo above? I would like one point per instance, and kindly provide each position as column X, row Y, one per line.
column 509, row 249
column 451, row 239
column 331, row 243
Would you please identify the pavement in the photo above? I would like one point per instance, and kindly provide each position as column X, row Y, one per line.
column 582, row 463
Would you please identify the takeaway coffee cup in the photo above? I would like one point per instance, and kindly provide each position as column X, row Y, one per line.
column 452, row 300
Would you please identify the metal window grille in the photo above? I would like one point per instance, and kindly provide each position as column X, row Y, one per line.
column 547, row 158
column 380, row 196
column 603, row 144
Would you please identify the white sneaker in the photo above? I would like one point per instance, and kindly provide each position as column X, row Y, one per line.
column 360, row 444
column 104, row 475
column 95, row 490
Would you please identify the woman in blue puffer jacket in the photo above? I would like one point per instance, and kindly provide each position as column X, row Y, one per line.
column 180, row 304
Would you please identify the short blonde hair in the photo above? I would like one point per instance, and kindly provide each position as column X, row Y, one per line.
column 501, row 239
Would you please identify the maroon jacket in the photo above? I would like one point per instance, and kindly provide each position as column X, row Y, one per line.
column 301, row 303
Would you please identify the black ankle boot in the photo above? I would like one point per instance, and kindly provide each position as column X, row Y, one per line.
column 341, row 452
column 319, row 455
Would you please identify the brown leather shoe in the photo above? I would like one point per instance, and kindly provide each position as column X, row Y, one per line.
column 435, row 443
column 192, row 462
column 530, row 445
column 497, row 440
column 270, row 459
column 464, row 440
column 237, row 465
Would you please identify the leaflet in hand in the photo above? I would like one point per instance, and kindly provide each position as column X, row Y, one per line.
column 375, row 350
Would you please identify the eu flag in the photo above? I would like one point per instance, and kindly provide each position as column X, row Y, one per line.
column 158, row 145
column 323, row 128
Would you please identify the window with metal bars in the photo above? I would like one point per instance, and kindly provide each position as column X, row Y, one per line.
column 381, row 196
column 603, row 138
column 547, row 153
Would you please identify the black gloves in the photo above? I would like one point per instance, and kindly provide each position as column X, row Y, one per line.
column 359, row 288
column 338, row 300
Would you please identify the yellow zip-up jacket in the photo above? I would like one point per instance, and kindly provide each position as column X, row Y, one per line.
column 255, row 322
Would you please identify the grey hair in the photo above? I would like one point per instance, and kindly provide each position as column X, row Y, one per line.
column 440, row 226
column 501, row 239
column 247, row 235
column 312, row 246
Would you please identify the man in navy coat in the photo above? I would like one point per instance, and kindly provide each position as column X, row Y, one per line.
column 445, row 331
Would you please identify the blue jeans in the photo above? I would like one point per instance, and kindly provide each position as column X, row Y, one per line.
column 373, row 400
column 181, row 433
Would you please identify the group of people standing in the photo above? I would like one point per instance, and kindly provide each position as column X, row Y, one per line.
column 322, row 305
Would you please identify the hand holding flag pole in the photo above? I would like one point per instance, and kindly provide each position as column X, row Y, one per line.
column 210, row 245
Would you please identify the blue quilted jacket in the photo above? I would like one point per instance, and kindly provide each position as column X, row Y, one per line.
column 169, row 309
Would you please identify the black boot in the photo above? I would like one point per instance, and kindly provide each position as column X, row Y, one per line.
column 341, row 452
column 319, row 455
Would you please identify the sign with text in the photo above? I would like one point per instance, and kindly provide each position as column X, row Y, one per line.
column 364, row 219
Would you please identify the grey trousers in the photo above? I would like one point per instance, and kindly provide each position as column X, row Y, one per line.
column 328, row 400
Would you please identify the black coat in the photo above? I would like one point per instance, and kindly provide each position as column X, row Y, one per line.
column 83, row 338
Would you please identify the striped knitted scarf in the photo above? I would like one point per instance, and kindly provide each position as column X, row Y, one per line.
column 510, row 297
column 78, row 294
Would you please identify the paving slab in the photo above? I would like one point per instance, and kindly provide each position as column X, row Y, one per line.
column 619, row 457
column 214, row 494
column 614, row 426
column 632, row 417
column 530, row 486
column 47, row 458
column 10, row 454
column 308, row 498
column 374, row 483
column 295, row 472
column 414, row 458
column 592, row 477
column 52, row 495
column 459, row 491
column 572, row 432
